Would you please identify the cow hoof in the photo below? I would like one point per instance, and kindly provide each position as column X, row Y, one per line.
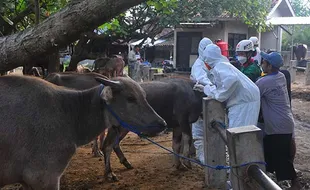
column 97, row 153
column 111, row 177
column 187, row 164
column 181, row 167
column 127, row 164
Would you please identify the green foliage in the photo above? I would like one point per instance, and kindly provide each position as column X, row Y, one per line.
column 301, row 33
column 146, row 19
column 19, row 14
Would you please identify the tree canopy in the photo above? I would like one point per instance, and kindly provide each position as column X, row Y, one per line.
column 17, row 15
column 145, row 19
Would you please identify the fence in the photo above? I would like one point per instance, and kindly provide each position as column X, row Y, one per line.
column 245, row 151
column 291, row 66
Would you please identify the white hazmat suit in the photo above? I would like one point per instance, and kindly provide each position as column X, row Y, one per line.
column 199, row 73
column 258, row 57
column 240, row 94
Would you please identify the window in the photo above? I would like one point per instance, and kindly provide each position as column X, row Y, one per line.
column 233, row 40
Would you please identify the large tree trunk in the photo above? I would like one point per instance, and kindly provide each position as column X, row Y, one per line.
column 80, row 53
column 58, row 30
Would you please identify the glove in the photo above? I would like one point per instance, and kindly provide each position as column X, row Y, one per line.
column 205, row 82
column 198, row 87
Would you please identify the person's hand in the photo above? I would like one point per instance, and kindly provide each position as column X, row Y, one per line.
column 205, row 83
column 198, row 87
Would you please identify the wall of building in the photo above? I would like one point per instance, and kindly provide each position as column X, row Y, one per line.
column 272, row 39
column 236, row 27
column 214, row 33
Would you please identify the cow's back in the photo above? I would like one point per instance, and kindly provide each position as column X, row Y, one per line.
column 160, row 96
column 174, row 98
column 29, row 103
column 79, row 81
column 188, row 101
column 28, row 124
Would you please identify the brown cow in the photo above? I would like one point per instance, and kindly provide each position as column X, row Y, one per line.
column 172, row 98
column 110, row 67
column 48, row 136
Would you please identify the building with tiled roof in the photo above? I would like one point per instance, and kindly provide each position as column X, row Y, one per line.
column 228, row 28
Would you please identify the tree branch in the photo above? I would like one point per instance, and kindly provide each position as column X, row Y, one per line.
column 58, row 30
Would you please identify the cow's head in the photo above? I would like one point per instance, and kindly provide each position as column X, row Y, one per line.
column 128, row 100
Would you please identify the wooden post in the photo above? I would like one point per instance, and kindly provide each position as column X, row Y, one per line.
column 152, row 71
column 145, row 73
column 214, row 146
column 244, row 145
column 307, row 73
column 293, row 69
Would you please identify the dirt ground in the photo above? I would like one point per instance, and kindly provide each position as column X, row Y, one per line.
column 153, row 168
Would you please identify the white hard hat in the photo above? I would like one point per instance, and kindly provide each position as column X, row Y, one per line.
column 254, row 39
column 245, row 45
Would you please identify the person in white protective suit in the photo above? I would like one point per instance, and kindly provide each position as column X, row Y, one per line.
column 240, row 95
column 199, row 74
column 257, row 57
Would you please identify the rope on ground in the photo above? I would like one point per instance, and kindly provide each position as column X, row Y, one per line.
column 219, row 167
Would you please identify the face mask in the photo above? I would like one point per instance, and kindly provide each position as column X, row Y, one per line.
column 241, row 59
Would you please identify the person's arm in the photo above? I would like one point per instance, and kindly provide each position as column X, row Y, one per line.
column 261, row 86
column 132, row 56
column 260, row 83
column 223, row 90
column 198, row 74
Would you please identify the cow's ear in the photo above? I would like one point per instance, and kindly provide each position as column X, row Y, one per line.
column 115, row 85
column 107, row 94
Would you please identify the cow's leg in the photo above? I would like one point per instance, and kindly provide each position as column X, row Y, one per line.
column 176, row 146
column 95, row 150
column 117, row 149
column 187, row 143
column 192, row 149
column 186, row 139
column 44, row 74
column 107, row 148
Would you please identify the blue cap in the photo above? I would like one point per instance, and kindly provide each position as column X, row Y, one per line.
column 274, row 58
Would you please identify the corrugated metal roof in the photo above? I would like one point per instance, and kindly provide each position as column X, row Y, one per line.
column 167, row 42
column 289, row 21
